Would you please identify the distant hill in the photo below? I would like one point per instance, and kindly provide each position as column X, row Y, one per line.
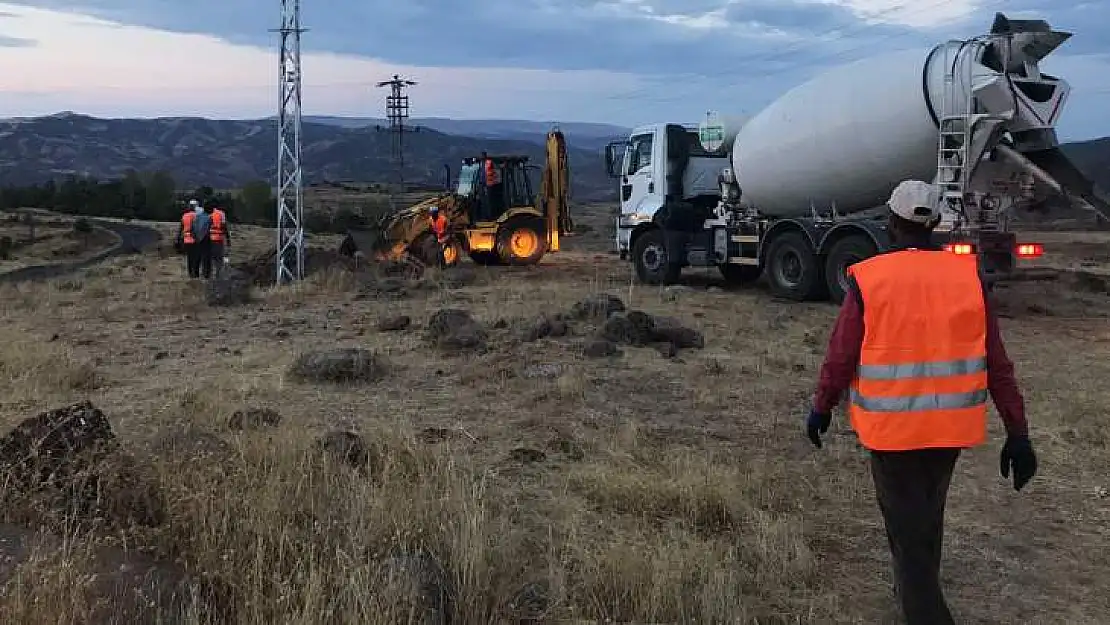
column 579, row 134
column 228, row 153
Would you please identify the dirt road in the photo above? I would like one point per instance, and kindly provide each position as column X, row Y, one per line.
column 133, row 238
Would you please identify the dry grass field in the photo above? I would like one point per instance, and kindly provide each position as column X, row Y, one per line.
column 522, row 481
column 55, row 241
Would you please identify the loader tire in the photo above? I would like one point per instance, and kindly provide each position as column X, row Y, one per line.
column 521, row 242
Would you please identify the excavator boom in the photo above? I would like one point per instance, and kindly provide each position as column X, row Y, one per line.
column 554, row 199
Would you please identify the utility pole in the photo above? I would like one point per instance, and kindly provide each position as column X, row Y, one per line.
column 290, row 190
column 397, row 112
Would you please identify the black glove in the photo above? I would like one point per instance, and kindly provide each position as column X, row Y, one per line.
column 816, row 425
column 1018, row 453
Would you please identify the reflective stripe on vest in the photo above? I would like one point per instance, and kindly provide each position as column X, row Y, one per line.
column 922, row 377
column 187, row 227
column 216, row 233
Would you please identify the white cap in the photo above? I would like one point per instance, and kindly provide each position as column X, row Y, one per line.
column 916, row 201
column 193, row 203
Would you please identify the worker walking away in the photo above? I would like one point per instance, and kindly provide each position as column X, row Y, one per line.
column 188, row 242
column 439, row 229
column 218, row 235
column 918, row 346
column 202, row 229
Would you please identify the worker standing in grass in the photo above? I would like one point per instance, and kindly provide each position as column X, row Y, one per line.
column 218, row 234
column 439, row 229
column 192, row 261
column 202, row 229
column 919, row 348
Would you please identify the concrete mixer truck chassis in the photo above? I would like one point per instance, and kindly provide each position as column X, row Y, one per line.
column 797, row 193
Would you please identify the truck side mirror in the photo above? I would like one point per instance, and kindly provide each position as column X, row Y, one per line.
column 613, row 157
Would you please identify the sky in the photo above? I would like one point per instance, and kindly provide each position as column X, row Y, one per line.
column 619, row 61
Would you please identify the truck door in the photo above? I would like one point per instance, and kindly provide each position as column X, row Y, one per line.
column 637, row 182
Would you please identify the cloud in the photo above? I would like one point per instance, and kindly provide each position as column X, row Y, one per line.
column 624, row 61
column 15, row 42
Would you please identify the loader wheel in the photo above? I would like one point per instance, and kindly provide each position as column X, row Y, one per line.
column 521, row 242
column 845, row 253
column 793, row 270
column 428, row 250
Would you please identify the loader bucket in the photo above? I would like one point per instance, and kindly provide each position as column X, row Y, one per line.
column 365, row 241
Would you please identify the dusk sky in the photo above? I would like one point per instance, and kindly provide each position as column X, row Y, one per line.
column 618, row 61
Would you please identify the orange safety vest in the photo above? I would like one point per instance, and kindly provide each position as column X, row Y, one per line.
column 439, row 227
column 187, row 227
column 922, row 375
column 491, row 173
column 219, row 230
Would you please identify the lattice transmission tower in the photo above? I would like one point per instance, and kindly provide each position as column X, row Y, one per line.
column 397, row 112
column 290, row 190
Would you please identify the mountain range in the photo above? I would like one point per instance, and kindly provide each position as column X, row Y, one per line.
column 229, row 153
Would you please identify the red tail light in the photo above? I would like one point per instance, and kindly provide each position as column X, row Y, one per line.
column 1030, row 250
column 963, row 249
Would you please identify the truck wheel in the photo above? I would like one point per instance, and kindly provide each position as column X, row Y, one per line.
column 649, row 254
column 792, row 268
column 521, row 242
column 845, row 253
column 736, row 275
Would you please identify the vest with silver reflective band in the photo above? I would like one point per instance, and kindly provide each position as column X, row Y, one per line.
column 922, row 377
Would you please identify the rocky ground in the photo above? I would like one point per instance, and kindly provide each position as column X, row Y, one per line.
column 547, row 444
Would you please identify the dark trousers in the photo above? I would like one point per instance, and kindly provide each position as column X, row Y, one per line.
column 192, row 260
column 912, row 488
column 203, row 249
column 218, row 252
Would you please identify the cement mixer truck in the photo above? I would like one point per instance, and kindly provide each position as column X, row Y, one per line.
column 797, row 192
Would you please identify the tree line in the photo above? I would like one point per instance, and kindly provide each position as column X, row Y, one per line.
column 155, row 196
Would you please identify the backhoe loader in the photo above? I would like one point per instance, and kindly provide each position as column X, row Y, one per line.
column 505, row 223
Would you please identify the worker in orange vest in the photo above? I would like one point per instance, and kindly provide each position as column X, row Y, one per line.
column 218, row 234
column 918, row 347
column 188, row 239
column 439, row 229
column 495, row 191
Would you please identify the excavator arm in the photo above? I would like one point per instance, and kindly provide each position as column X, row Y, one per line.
column 553, row 201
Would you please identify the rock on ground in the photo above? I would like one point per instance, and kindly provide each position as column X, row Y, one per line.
column 600, row 348
column 632, row 328
column 349, row 364
column 253, row 419
column 455, row 329
column 124, row 586
column 597, row 306
column 352, row 450
column 544, row 326
column 421, row 582
column 230, row 288
column 394, row 323
column 68, row 462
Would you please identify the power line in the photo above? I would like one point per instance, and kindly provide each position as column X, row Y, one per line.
column 397, row 112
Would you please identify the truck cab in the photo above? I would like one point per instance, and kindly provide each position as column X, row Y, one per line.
column 666, row 180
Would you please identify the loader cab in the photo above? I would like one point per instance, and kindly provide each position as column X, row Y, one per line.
column 489, row 202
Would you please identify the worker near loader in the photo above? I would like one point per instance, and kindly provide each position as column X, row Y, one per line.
column 218, row 235
column 918, row 347
column 495, row 191
column 439, row 229
column 188, row 241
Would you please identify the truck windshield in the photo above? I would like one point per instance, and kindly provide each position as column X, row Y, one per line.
column 468, row 180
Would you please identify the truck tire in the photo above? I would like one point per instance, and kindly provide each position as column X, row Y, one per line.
column 649, row 254
column 793, row 270
column 843, row 254
column 521, row 241
column 736, row 275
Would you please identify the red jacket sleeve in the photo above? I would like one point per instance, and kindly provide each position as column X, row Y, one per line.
column 1001, row 380
column 842, row 356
